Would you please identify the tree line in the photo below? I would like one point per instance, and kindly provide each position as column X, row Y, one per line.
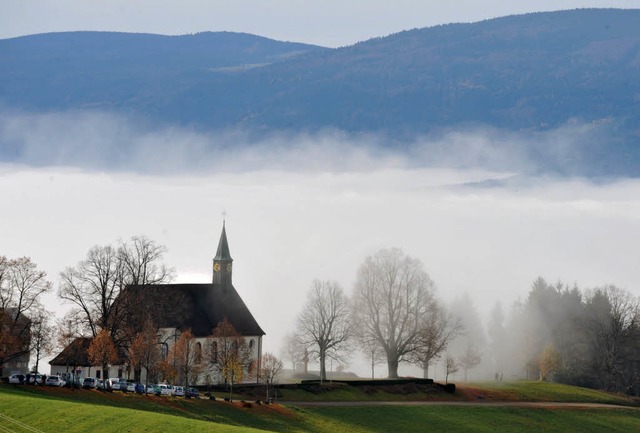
column 589, row 337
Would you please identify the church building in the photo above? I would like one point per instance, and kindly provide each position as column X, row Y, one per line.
column 176, row 308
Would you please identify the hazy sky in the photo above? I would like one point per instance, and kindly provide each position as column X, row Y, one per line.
column 327, row 22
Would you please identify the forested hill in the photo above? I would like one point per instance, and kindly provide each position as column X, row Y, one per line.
column 522, row 73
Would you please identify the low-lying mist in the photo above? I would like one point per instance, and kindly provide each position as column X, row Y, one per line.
column 307, row 206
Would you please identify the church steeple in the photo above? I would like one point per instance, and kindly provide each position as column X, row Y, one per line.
column 222, row 262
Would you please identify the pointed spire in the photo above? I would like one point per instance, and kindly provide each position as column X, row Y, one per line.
column 223, row 246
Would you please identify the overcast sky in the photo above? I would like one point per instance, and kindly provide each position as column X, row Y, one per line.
column 328, row 22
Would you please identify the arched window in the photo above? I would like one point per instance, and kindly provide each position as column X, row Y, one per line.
column 214, row 352
column 251, row 344
column 198, row 355
column 165, row 350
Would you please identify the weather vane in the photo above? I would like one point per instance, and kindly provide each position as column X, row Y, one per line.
column 224, row 216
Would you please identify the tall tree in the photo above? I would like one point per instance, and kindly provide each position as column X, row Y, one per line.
column 187, row 357
column 229, row 353
column 438, row 329
column 270, row 370
column 94, row 284
column 613, row 321
column 324, row 323
column 141, row 260
column 391, row 300
column 42, row 335
column 21, row 287
column 102, row 351
column 144, row 352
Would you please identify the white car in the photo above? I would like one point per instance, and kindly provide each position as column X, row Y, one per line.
column 179, row 391
column 16, row 378
column 131, row 387
column 55, row 381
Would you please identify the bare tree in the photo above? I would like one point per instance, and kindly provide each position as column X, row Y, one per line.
column 295, row 352
column 391, row 301
column 324, row 323
column 438, row 329
column 94, row 284
column 373, row 353
column 140, row 258
column 21, row 286
column 229, row 353
column 451, row 366
column 470, row 359
column 613, row 320
column 270, row 370
column 42, row 335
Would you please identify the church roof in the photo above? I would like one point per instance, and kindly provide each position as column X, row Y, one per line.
column 199, row 307
column 76, row 354
column 223, row 246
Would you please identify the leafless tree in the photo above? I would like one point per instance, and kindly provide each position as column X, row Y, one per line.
column 438, row 329
column 470, row 359
column 140, row 258
column 294, row 352
column 21, row 286
column 613, row 320
column 270, row 370
column 451, row 366
column 94, row 284
column 42, row 335
column 324, row 323
column 391, row 301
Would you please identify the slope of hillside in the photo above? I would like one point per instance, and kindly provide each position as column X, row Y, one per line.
column 525, row 73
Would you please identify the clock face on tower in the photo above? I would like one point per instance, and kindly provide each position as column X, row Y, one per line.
column 216, row 267
column 229, row 267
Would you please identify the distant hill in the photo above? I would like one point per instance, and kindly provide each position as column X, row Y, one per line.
column 530, row 72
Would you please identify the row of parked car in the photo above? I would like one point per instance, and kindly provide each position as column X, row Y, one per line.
column 123, row 385
column 36, row 379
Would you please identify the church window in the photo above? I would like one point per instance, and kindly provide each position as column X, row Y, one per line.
column 214, row 352
column 198, row 355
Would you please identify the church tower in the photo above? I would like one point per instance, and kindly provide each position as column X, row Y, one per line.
column 222, row 262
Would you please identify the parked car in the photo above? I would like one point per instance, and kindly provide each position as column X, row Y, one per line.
column 35, row 379
column 150, row 388
column 178, row 391
column 122, row 385
column 114, row 382
column 16, row 378
column 131, row 387
column 172, row 389
column 139, row 388
column 192, row 393
column 162, row 389
column 54, row 381
column 90, row 382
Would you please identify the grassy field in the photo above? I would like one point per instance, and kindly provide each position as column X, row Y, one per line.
column 63, row 410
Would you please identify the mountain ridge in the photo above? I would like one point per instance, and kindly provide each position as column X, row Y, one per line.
column 531, row 72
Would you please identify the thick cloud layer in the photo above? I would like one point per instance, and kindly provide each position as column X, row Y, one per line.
column 306, row 207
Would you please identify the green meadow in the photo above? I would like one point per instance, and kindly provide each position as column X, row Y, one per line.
column 63, row 410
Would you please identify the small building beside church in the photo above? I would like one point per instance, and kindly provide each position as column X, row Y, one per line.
column 174, row 309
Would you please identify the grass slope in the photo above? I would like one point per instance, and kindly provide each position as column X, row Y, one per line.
column 55, row 410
